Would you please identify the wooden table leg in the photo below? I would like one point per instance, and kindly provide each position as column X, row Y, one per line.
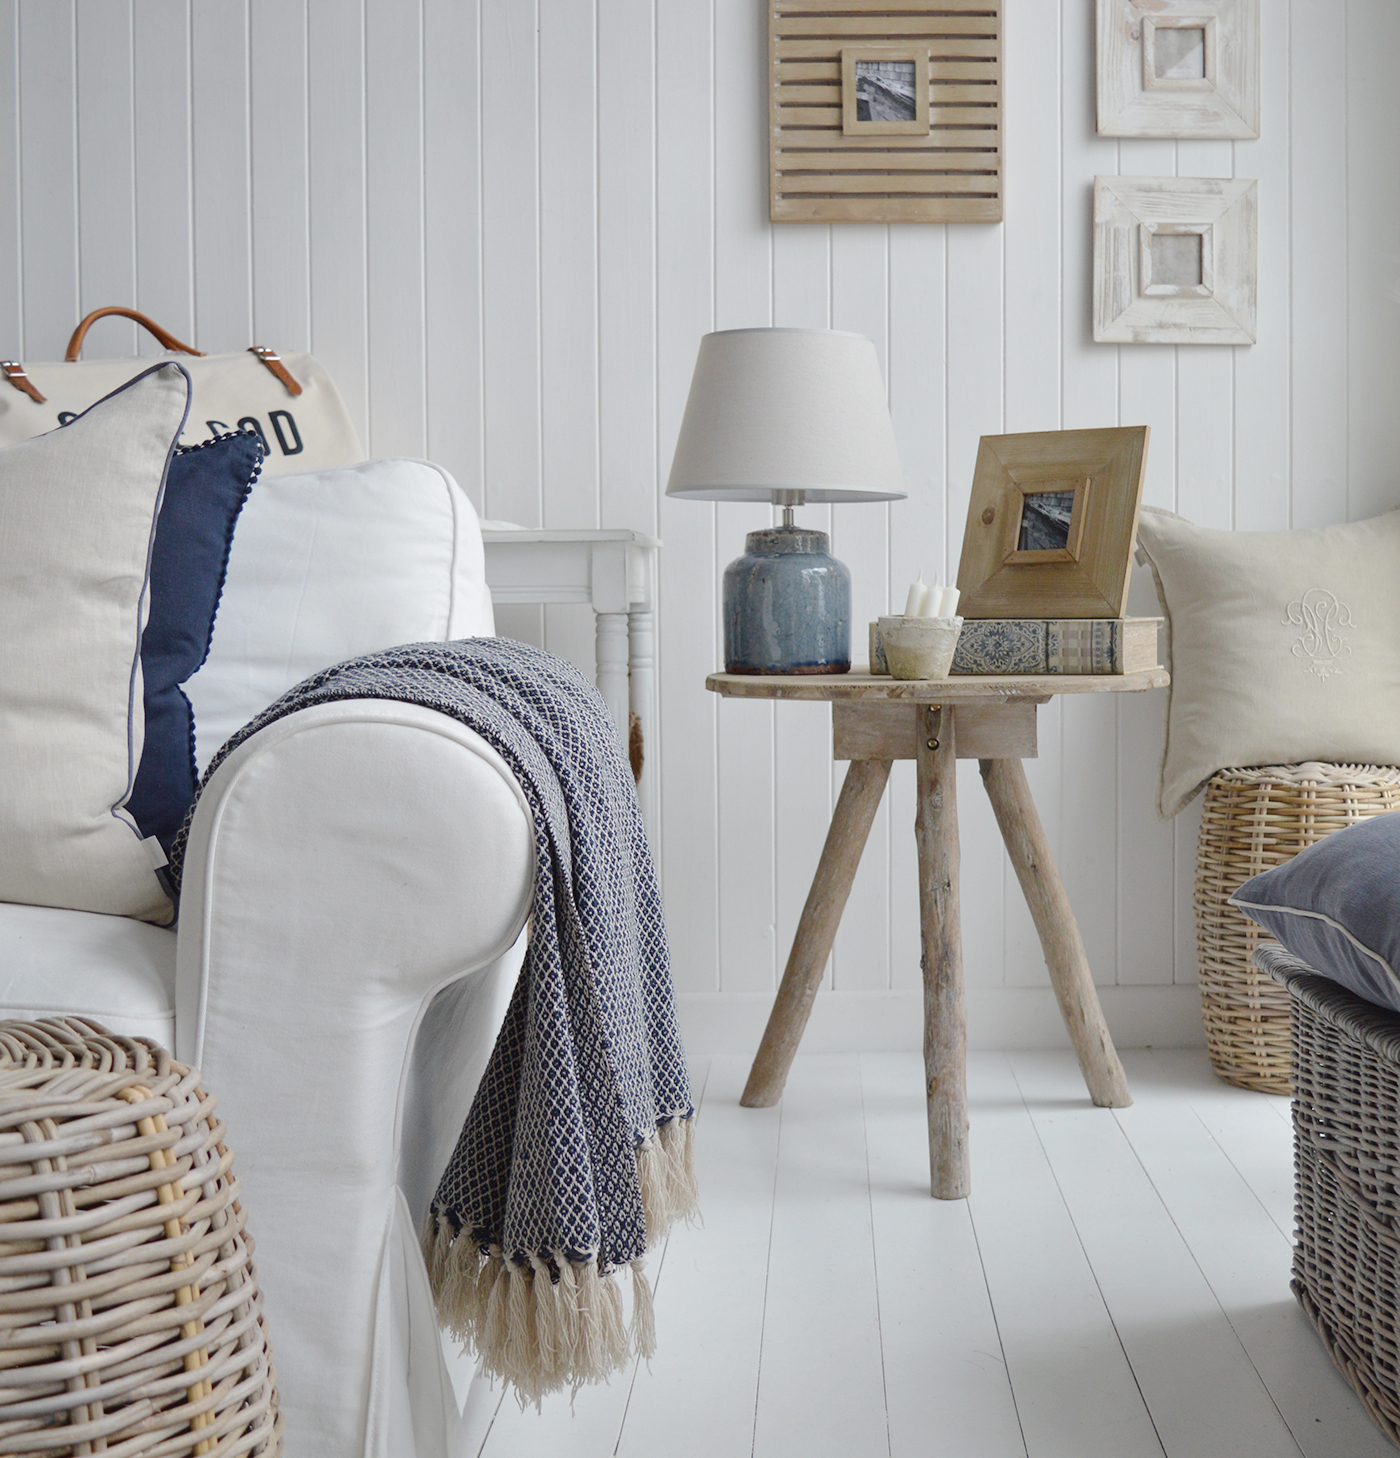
column 1021, row 829
column 845, row 840
column 945, row 1011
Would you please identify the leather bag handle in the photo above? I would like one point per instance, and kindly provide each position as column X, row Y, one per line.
column 163, row 336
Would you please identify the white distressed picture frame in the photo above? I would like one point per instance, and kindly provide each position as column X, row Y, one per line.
column 1175, row 260
column 1209, row 89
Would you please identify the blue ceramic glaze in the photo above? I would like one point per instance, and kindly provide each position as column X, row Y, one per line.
column 787, row 605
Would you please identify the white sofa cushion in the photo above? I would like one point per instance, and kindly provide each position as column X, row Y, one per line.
column 114, row 969
column 78, row 511
column 331, row 564
column 1282, row 646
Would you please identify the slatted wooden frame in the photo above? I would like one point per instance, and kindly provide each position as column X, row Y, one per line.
column 1254, row 819
column 130, row 1317
column 952, row 174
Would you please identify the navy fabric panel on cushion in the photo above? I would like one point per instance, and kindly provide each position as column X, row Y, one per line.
column 204, row 493
column 1336, row 905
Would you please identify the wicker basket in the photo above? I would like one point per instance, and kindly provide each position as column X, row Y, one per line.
column 1346, row 1155
column 130, row 1320
column 1254, row 819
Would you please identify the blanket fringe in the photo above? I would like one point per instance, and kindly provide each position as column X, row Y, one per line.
column 666, row 1172
column 554, row 1323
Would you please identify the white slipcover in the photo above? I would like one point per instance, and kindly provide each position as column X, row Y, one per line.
column 351, row 929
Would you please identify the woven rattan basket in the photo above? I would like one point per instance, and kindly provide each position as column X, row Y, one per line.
column 130, row 1319
column 1254, row 819
column 1346, row 1158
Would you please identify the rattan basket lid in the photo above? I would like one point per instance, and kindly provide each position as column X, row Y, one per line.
column 1312, row 772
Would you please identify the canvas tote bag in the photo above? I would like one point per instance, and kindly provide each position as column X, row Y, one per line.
column 289, row 399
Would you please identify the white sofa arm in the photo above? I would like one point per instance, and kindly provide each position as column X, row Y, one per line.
column 355, row 871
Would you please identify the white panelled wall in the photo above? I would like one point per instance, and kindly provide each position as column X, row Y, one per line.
column 504, row 225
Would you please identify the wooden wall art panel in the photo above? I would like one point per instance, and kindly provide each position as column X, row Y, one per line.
column 848, row 136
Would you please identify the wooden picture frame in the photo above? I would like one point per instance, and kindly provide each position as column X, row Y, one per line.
column 1083, row 571
column 1178, row 68
column 825, row 166
column 1175, row 260
column 855, row 60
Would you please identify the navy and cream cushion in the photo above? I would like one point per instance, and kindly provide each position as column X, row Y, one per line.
column 1336, row 906
column 204, row 492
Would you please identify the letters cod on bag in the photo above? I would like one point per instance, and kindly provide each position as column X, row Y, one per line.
column 289, row 399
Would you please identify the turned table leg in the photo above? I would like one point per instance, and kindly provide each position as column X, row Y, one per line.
column 845, row 840
column 945, row 1011
column 1005, row 780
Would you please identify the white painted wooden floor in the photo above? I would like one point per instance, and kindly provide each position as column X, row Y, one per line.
column 1117, row 1286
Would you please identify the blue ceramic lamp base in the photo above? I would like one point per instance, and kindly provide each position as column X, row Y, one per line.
column 787, row 605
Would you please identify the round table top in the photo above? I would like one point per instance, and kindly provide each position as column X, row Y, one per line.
column 871, row 688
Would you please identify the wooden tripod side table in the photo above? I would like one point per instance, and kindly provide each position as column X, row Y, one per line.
column 989, row 719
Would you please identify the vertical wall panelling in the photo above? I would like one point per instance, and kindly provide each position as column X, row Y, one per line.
column 394, row 227
column 1373, row 229
column 164, row 177
column 48, row 175
column 570, row 91
column 223, row 215
column 335, row 85
column 687, row 620
column 594, row 98
column 106, row 173
column 504, row 227
column 11, row 214
column 629, row 93
column 452, row 236
column 277, row 103
column 1318, row 142
column 1263, row 402
column 510, row 254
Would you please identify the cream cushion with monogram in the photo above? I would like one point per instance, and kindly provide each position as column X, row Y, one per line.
column 1282, row 646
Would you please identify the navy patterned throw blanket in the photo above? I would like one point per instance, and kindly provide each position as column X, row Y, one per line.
column 577, row 1153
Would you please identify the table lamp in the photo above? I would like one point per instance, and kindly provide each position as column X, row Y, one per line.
column 788, row 416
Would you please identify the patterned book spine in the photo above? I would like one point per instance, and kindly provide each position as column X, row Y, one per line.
column 1001, row 645
column 1084, row 645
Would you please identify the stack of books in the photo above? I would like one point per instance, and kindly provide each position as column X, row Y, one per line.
column 1057, row 645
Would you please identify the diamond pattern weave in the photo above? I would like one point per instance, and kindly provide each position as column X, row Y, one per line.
column 589, row 1062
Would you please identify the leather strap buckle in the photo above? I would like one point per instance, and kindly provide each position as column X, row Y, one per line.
column 14, row 373
column 273, row 361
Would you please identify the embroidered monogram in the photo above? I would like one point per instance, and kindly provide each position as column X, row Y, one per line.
column 1321, row 617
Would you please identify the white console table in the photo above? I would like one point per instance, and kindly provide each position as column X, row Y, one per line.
column 615, row 573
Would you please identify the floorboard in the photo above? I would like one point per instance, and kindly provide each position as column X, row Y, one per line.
column 1245, row 1259
column 1075, row 1392
column 1116, row 1287
column 946, row 1385
column 821, row 1391
column 1203, row 1392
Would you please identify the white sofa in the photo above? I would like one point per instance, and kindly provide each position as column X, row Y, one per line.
column 356, row 885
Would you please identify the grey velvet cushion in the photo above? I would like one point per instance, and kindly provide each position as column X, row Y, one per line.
column 1336, row 906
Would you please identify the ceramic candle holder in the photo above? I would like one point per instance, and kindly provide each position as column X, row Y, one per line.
column 919, row 647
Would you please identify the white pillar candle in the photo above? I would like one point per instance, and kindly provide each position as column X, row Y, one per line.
column 948, row 605
column 913, row 604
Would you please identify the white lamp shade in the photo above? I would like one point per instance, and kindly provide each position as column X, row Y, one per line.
column 786, row 410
